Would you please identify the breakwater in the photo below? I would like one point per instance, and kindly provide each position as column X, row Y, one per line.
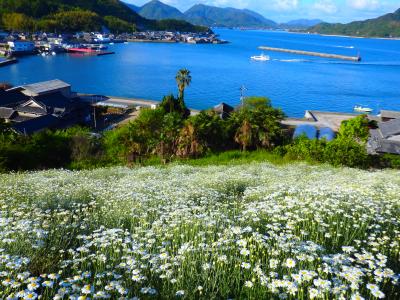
column 310, row 53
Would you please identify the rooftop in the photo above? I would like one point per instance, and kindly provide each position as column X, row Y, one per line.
column 46, row 86
column 390, row 114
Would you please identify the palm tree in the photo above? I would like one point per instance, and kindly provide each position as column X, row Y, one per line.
column 183, row 79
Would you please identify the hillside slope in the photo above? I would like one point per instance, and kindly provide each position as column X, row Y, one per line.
column 156, row 10
column 385, row 26
column 227, row 17
column 78, row 15
column 256, row 230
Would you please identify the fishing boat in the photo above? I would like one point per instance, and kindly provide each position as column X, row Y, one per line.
column 364, row 109
column 261, row 57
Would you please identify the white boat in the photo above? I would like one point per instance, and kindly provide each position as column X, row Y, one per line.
column 360, row 108
column 261, row 57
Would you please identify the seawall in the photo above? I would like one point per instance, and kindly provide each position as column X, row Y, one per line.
column 310, row 53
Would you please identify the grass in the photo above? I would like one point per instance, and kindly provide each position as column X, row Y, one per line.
column 232, row 157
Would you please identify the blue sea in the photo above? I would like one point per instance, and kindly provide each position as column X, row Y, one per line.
column 294, row 83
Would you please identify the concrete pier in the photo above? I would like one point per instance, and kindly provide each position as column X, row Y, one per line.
column 319, row 54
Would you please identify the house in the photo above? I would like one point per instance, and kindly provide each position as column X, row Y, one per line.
column 387, row 115
column 35, row 107
column 386, row 138
column 223, row 110
column 21, row 47
column 47, row 87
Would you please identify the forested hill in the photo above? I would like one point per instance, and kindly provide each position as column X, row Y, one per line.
column 78, row 15
column 227, row 17
column 385, row 26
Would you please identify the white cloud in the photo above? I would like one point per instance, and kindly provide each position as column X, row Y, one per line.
column 364, row 4
column 325, row 6
column 285, row 5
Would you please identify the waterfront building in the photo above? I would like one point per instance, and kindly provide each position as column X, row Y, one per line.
column 21, row 47
column 45, row 105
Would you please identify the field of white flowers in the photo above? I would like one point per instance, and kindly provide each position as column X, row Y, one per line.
column 221, row 232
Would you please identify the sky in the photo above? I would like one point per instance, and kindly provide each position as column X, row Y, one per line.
column 284, row 10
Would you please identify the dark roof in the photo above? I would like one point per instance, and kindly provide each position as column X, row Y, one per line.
column 6, row 113
column 390, row 114
column 11, row 97
column 386, row 146
column 36, row 124
column 223, row 109
column 55, row 100
column 390, row 128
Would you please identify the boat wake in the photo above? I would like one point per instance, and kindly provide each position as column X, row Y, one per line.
column 346, row 47
column 292, row 60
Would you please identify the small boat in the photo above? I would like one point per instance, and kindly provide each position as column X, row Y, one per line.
column 261, row 57
column 360, row 108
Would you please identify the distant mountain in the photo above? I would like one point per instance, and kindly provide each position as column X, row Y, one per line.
column 132, row 7
column 156, row 10
column 301, row 23
column 205, row 15
column 385, row 26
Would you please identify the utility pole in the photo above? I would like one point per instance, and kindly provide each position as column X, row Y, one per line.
column 94, row 112
column 242, row 96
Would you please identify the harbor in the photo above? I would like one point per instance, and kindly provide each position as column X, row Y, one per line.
column 311, row 53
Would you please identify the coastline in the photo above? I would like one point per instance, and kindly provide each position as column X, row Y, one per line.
column 359, row 37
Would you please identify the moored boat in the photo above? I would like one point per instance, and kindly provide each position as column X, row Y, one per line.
column 360, row 108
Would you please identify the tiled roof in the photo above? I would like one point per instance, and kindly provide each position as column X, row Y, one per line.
column 11, row 97
column 46, row 86
column 6, row 113
column 390, row 128
column 390, row 114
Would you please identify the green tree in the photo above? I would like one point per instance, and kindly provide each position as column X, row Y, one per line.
column 183, row 80
column 257, row 124
column 77, row 20
column 18, row 22
column 117, row 25
column 356, row 129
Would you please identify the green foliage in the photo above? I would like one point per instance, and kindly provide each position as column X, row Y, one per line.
column 177, row 25
column 117, row 25
column 257, row 124
column 211, row 130
column 183, row 80
column 18, row 22
column 73, row 147
column 385, row 26
column 341, row 151
column 255, row 102
column 390, row 161
column 356, row 129
column 228, row 17
column 77, row 20
column 170, row 105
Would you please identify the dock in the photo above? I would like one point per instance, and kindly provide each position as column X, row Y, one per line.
column 309, row 53
column 8, row 62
